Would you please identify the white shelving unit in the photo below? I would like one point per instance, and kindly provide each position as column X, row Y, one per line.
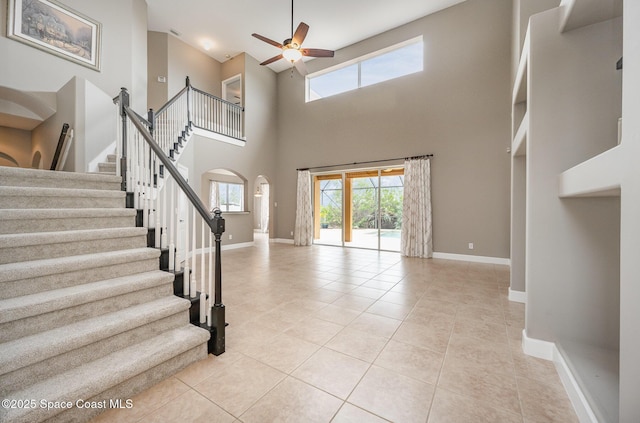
column 600, row 176
column 568, row 179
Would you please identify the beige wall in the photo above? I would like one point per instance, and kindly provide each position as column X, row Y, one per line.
column 157, row 66
column 15, row 144
column 184, row 60
column 457, row 109
column 170, row 57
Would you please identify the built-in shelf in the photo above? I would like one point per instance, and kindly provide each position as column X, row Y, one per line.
column 596, row 371
column 579, row 13
column 520, row 84
column 519, row 147
column 599, row 176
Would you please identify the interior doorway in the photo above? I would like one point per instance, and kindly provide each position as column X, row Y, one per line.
column 232, row 90
column 261, row 203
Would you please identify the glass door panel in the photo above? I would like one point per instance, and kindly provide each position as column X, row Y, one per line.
column 328, row 207
column 361, row 215
column 391, row 195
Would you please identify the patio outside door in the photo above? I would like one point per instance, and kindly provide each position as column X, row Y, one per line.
column 360, row 209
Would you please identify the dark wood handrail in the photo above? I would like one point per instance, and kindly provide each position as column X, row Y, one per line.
column 173, row 100
column 182, row 183
column 56, row 155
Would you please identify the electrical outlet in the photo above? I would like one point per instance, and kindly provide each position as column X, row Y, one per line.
column 291, row 233
column 471, row 245
column 230, row 236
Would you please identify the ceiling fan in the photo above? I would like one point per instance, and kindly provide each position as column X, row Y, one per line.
column 292, row 47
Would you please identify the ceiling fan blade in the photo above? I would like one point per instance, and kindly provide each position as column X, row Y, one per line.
column 273, row 59
column 301, row 67
column 317, row 52
column 267, row 40
column 300, row 34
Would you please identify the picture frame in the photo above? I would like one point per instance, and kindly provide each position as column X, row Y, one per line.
column 56, row 29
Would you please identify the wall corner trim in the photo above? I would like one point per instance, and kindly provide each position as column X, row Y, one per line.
column 517, row 296
column 549, row 351
column 537, row 348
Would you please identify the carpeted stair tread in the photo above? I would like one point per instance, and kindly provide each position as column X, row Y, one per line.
column 18, row 197
column 13, row 309
column 14, row 221
column 23, row 247
column 91, row 379
column 40, row 238
column 38, row 268
column 18, row 214
column 10, row 176
column 25, row 351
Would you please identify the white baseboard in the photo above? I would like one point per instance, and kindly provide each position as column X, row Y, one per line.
column 281, row 240
column 238, row 245
column 474, row 259
column 200, row 251
column 517, row 296
column 578, row 400
column 548, row 351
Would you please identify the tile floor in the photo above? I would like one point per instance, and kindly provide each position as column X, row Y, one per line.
column 326, row 334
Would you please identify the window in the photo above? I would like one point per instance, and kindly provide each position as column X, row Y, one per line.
column 227, row 196
column 390, row 63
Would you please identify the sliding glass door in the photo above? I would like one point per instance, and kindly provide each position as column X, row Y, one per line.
column 360, row 209
column 362, row 212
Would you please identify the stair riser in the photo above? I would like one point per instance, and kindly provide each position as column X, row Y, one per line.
column 61, row 202
column 31, row 325
column 65, row 249
column 17, row 288
column 21, row 378
column 107, row 168
column 17, row 226
column 131, row 387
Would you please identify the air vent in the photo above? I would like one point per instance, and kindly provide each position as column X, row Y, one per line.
column 174, row 32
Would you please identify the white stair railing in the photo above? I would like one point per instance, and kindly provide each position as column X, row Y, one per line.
column 170, row 208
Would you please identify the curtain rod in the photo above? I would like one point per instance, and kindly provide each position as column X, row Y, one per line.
column 368, row 162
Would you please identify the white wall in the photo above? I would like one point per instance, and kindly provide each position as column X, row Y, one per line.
column 123, row 53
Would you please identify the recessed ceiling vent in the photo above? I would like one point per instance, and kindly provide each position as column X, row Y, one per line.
column 174, row 32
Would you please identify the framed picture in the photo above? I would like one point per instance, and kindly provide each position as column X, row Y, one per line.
column 56, row 29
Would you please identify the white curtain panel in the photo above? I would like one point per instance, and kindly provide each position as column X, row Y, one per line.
column 303, row 231
column 416, row 238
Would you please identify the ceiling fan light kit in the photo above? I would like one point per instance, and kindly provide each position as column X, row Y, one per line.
column 292, row 54
column 292, row 49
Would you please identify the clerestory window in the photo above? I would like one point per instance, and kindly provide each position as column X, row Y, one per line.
column 389, row 63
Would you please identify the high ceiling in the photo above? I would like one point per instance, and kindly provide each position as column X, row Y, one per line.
column 226, row 26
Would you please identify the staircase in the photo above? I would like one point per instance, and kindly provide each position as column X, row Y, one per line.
column 85, row 312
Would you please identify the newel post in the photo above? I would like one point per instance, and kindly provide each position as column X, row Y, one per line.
column 188, row 82
column 151, row 119
column 217, row 341
column 123, row 104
